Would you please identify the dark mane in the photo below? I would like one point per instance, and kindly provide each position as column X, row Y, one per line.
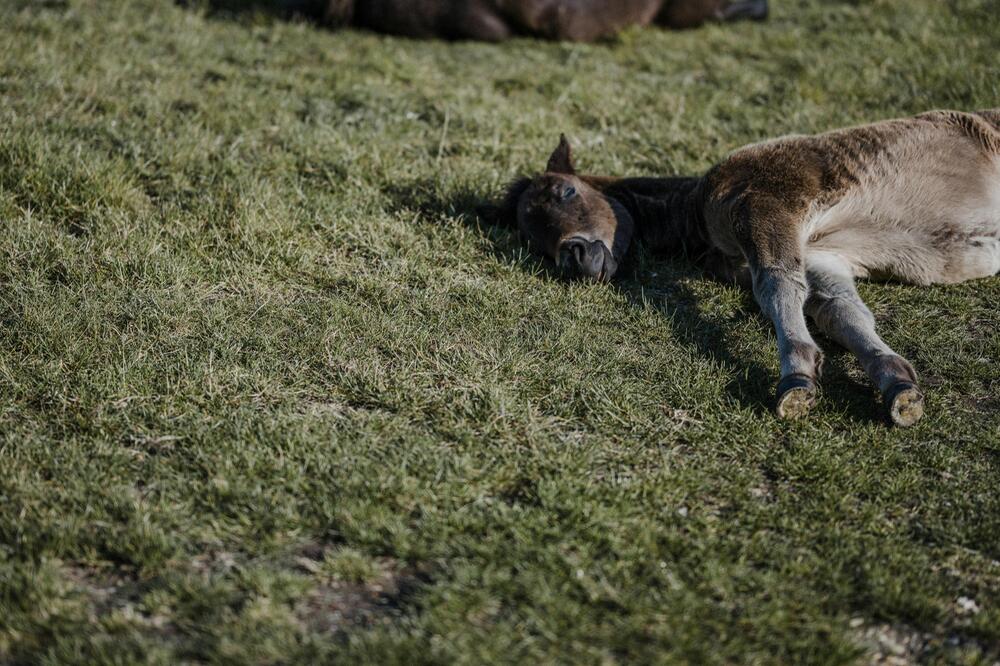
column 666, row 211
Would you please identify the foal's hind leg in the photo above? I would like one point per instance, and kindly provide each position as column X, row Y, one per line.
column 837, row 309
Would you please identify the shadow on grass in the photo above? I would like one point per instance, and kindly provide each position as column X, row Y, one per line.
column 467, row 205
column 753, row 384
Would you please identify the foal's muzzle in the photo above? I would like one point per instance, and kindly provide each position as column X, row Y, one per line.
column 579, row 257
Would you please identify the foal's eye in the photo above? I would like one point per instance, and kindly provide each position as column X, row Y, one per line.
column 568, row 192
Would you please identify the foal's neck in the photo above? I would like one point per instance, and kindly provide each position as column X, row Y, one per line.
column 667, row 211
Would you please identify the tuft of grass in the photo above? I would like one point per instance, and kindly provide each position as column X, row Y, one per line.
column 349, row 565
column 246, row 309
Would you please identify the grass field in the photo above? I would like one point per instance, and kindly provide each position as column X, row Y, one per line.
column 271, row 393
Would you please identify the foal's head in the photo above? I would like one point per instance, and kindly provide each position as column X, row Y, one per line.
column 569, row 219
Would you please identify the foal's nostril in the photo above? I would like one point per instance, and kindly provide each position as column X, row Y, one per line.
column 573, row 253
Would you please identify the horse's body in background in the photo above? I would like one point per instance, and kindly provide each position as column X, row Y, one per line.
column 496, row 20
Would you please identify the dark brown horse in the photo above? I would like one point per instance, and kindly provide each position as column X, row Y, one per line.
column 496, row 20
column 796, row 220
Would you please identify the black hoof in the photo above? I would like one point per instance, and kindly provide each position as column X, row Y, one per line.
column 905, row 403
column 796, row 396
column 752, row 10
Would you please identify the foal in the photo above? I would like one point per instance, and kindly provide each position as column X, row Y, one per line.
column 797, row 219
column 496, row 20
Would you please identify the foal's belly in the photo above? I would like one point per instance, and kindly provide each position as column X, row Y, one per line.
column 928, row 223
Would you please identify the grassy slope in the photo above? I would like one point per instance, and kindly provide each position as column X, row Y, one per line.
column 257, row 355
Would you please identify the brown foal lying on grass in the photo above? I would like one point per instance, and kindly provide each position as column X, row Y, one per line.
column 495, row 20
column 797, row 219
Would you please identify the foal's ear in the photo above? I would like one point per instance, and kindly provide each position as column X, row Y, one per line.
column 504, row 213
column 561, row 160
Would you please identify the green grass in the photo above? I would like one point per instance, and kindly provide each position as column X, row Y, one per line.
column 270, row 393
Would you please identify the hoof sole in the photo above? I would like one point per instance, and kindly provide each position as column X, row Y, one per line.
column 752, row 10
column 797, row 395
column 906, row 404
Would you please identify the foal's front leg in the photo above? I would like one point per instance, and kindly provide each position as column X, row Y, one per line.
column 781, row 293
column 770, row 231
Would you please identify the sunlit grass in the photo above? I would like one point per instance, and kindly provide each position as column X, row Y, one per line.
column 271, row 393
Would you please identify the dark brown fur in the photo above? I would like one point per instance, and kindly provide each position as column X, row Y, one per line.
column 495, row 20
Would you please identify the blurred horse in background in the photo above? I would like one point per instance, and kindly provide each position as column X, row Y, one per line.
column 497, row 20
